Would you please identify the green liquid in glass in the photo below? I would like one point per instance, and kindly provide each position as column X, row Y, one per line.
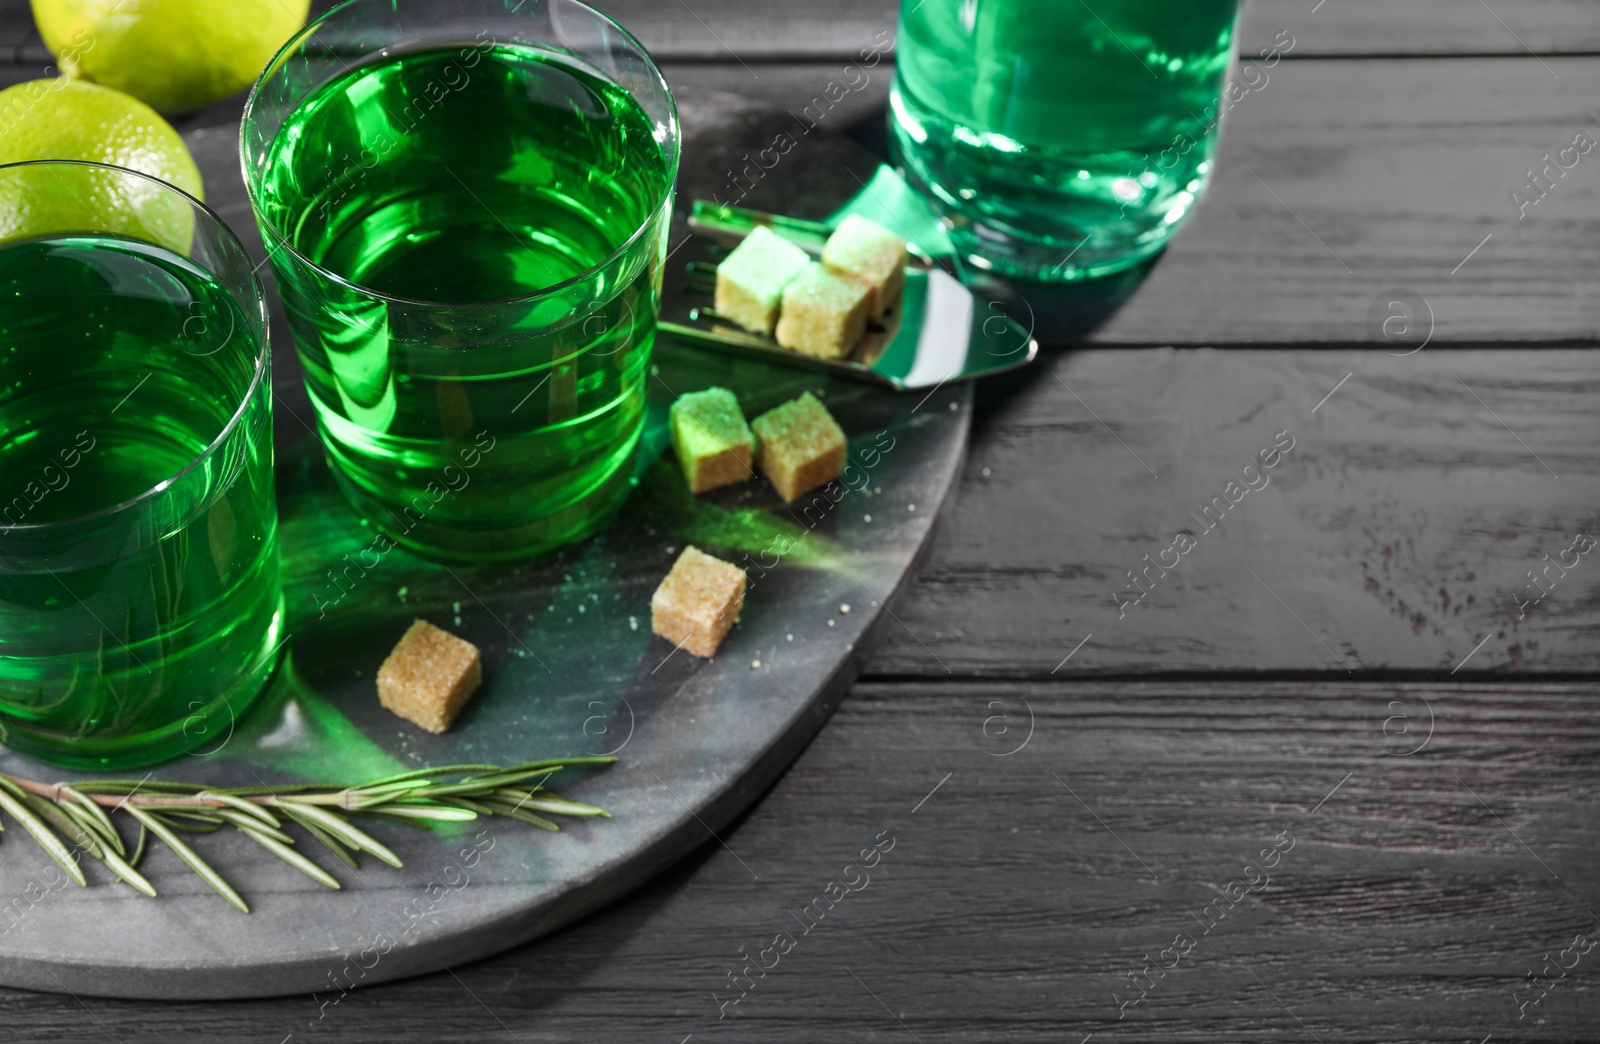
column 129, row 635
column 1047, row 129
column 440, row 185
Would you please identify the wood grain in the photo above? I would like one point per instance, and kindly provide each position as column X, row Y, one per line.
column 719, row 30
column 1020, row 893
column 1426, row 27
column 1394, row 536
column 756, row 31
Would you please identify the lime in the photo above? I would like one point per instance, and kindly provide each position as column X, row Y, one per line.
column 177, row 55
column 68, row 119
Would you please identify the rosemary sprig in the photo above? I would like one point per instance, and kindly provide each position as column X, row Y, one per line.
column 72, row 820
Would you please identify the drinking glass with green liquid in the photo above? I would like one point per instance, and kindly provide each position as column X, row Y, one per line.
column 466, row 207
column 1060, row 139
column 139, row 602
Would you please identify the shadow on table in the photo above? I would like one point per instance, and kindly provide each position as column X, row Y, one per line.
column 1061, row 315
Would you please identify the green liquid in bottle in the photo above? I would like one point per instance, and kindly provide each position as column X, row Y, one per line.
column 439, row 186
column 1046, row 129
column 129, row 631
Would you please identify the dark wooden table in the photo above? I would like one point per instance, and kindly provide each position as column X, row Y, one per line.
column 1342, row 681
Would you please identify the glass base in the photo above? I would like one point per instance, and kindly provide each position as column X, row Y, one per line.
column 1051, row 214
column 994, row 250
column 204, row 731
column 456, row 542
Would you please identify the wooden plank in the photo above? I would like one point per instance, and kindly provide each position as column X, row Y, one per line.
column 1432, row 27
column 764, row 31
column 756, row 31
column 1019, row 895
column 1396, row 535
column 726, row 30
column 1328, row 195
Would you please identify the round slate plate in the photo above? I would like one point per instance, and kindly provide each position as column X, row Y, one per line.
column 570, row 667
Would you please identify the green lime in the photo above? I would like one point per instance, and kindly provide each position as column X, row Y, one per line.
column 67, row 119
column 177, row 55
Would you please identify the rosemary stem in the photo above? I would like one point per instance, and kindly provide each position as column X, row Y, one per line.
column 52, row 792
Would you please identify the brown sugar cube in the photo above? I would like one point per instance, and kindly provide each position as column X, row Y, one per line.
column 750, row 281
column 696, row 605
column 867, row 251
column 824, row 314
column 429, row 676
column 714, row 443
column 799, row 446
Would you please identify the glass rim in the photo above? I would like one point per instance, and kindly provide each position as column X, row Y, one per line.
column 281, row 243
column 256, row 376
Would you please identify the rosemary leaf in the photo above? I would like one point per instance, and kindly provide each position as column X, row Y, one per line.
column 129, row 786
column 188, row 855
column 486, row 783
column 428, row 773
column 138, row 848
column 341, row 829
column 547, row 802
column 436, row 813
column 59, row 821
column 249, row 822
column 125, row 871
column 202, row 813
column 556, row 763
column 521, row 815
column 64, row 824
column 405, row 821
column 290, row 856
column 39, row 831
column 249, row 808
column 365, row 797
column 188, row 822
column 80, row 807
column 330, row 844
